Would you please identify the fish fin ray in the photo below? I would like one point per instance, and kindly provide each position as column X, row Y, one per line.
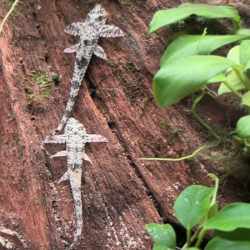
column 65, row 177
column 75, row 29
column 100, row 52
column 95, row 138
column 59, row 154
column 111, row 31
column 86, row 158
column 72, row 49
column 55, row 139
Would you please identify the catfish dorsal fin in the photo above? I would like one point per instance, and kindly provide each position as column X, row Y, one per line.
column 111, row 31
column 75, row 29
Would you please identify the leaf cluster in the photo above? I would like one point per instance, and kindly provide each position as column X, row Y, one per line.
column 187, row 66
column 196, row 207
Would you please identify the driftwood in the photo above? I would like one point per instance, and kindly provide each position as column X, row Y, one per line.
column 120, row 193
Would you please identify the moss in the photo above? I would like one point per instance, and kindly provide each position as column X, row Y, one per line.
column 117, row 46
column 145, row 104
column 130, row 66
column 9, row 4
column 125, row 3
column 132, row 87
column 113, row 66
column 112, row 94
column 44, row 88
column 44, row 84
column 122, row 18
column 171, row 134
column 29, row 94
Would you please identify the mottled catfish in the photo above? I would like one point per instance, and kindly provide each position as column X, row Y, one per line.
column 89, row 33
column 75, row 137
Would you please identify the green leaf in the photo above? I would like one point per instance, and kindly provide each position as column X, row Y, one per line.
column 213, row 210
column 230, row 217
column 192, row 205
column 161, row 247
column 233, row 80
column 244, row 53
column 247, row 66
column 218, row 243
column 179, row 79
column 246, row 150
column 234, row 54
column 213, row 207
column 246, row 99
column 234, row 240
column 239, row 234
column 246, row 70
column 242, row 32
column 219, row 78
column 163, row 236
column 185, row 46
column 166, row 17
column 243, row 127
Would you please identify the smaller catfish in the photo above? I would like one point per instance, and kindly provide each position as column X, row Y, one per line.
column 75, row 137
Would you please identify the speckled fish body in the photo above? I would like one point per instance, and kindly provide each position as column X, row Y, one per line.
column 75, row 137
column 89, row 33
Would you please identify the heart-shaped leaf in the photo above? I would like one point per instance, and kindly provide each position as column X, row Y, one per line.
column 233, row 80
column 244, row 53
column 247, row 70
column 163, row 236
column 234, row 54
column 175, row 81
column 166, row 17
column 185, row 46
column 192, row 205
column 243, row 127
column 246, row 99
column 235, row 240
column 242, row 32
column 230, row 217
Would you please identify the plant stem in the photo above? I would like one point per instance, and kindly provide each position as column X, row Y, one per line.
column 244, row 80
column 178, row 159
column 233, row 90
column 195, row 236
column 236, row 23
column 238, row 71
column 7, row 15
column 216, row 187
column 200, row 238
column 188, row 237
column 199, row 118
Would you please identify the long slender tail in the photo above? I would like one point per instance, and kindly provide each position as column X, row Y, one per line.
column 80, row 68
column 75, row 183
column 78, row 211
column 69, row 106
